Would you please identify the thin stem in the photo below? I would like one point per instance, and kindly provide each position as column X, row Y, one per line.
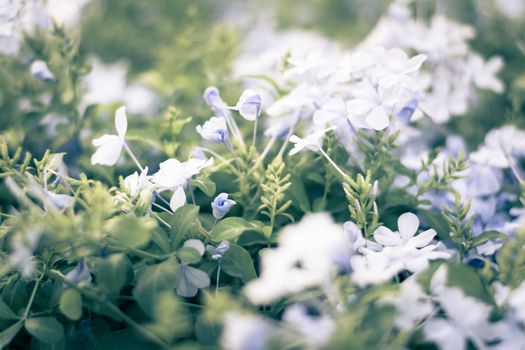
column 218, row 156
column 265, row 151
column 218, row 277
column 332, row 162
column 137, row 163
column 160, row 219
column 254, row 132
column 162, row 208
column 290, row 133
column 191, row 192
column 237, row 162
column 157, row 195
column 33, row 293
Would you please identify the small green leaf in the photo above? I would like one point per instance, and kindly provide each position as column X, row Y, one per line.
column 205, row 185
column 131, row 231
column 6, row 313
column 152, row 280
column 231, row 228
column 113, row 272
column 71, row 304
column 436, row 221
column 237, row 262
column 45, row 329
column 183, row 221
column 188, row 255
column 9, row 333
column 487, row 236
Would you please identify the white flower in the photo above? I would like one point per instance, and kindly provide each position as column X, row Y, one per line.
column 307, row 254
column 249, row 105
column 174, row 175
column 333, row 110
column 190, row 280
column 501, row 147
column 110, row 146
column 59, row 201
column 467, row 319
column 243, row 332
column 372, row 105
column 40, row 70
column 139, row 186
column 22, row 258
column 311, row 142
column 373, row 268
column 394, row 68
column 484, row 72
column 314, row 329
column 413, row 251
column 412, row 304
column 517, row 302
column 214, row 130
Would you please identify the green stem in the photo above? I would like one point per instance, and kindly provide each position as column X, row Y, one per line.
column 33, row 293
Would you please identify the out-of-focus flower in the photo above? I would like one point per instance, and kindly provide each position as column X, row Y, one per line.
column 372, row 105
column 218, row 252
column 214, row 130
column 467, row 319
column 190, row 279
column 221, row 205
column 373, row 268
column 484, row 72
column 314, row 329
column 311, row 142
column 249, row 105
column 110, row 146
column 22, row 258
column 60, row 201
column 214, row 101
column 40, row 70
column 79, row 273
column 304, row 258
column 244, row 332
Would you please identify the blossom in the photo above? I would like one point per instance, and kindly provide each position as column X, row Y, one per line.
column 249, row 105
column 307, row 254
column 214, row 101
column 59, row 201
column 373, row 268
column 221, row 205
column 110, row 146
column 190, row 279
column 40, row 70
column 394, row 68
column 484, row 72
column 174, row 175
column 79, row 273
column 413, row 251
column 214, row 130
column 139, row 185
column 372, row 105
column 246, row 332
column 22, row 258
column 314, row 329
column 311, row 142
column 218, row 252
column 467, row 319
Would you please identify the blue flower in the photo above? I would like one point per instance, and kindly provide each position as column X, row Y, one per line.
column 249, row 105
column 214, row 101
column 405, row 113
column 218, row 252
column 79, row 273
column 221, row 205
column 214, row 130
column 40, row 71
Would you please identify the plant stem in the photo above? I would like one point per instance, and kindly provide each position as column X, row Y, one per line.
column 336, row 167
column 255, row 131
column 137, row 163
column 218, row 277
column 33, row 294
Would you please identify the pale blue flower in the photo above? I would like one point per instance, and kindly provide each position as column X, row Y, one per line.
column 249, row 105
column 214, row 130
column 79, row 273
column 221, row 205
column 218, row 252
column 40, row 71
column 214, row 101
column 406, row 112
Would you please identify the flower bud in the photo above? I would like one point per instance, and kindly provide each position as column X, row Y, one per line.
column 40, row 71
column 221, row 205
column 214, row 130
column 249, row 105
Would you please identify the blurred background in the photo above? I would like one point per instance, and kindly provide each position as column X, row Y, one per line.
column 157, row 57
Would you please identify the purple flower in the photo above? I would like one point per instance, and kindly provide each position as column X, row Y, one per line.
column 221, row 205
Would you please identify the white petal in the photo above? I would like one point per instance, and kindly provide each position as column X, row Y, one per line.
column 107, row 154
column 178, row 199
column 197, row 277
column 414, row 63
column 407, row 224
column 195, row 244
column 422, row 239
column 121, row 121
column 359, row 106
column 378, row 118
column 384, row 236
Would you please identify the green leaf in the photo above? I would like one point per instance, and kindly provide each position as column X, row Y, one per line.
column 131, row 231
column 71, row 304
column 436, row 221
column 231, row 228
column 152, row 281
column 487, row 236
column 6, row 313
column 45, row 329
column 237, row 262
column 114, row 272
column 205, row 185
column 183, row 221
column 298, row 194
column 9, row 333
column 468, row 280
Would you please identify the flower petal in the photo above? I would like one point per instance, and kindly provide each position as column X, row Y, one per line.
column 422, row 239
column 378, row 118
column 178, row 199
column 407, row 224
column 121, row 121
column 384, row 236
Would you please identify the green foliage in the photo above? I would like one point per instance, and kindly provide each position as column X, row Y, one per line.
column 361, row 194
